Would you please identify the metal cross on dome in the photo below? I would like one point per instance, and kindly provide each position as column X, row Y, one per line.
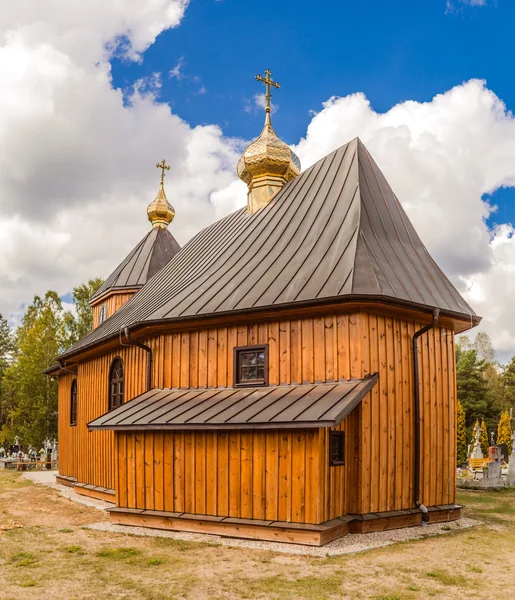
column 267, row 80
column 162, row 165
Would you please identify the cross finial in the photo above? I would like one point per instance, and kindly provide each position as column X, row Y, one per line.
column 162, row 165
column 267, row 80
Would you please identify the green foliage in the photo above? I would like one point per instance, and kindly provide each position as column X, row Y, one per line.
column 508, row 384
column 28, row 397
column 79, row 323
column 504, row 430
column 483, row 438
column 461, row 454
column 6, row 352
column 31, row 397
column 473, row 392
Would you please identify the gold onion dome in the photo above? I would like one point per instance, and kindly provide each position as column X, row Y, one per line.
column 268, row 155
column 160, row 212
column 267, row 163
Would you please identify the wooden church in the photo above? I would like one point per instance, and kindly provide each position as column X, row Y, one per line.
column 287, row 375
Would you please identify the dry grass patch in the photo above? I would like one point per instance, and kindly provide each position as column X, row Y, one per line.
column 54, row 557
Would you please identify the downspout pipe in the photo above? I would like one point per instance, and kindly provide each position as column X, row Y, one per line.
column 63, row 368
column 416, row 417
column 147, row 349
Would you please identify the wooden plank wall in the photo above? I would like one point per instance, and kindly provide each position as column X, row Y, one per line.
column 386, row 446
column 378, row 471
column 113, row 303
column 266, row 475
column 66, row 434
column 88, row 456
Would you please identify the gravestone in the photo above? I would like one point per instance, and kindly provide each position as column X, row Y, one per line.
column 492, row 477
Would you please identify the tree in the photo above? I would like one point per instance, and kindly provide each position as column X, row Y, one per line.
column 483, row 438
column 484, row 347
column 504, row 430
column 461, row 453
column 32, row 407
column 472, row 385
column 508, row 384
column 6, row 355
column 80, row 322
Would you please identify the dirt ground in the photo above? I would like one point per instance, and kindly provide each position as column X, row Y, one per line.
column 45, row 553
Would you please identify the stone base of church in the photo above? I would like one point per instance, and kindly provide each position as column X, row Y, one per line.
column 278, row 531
column 93, row 491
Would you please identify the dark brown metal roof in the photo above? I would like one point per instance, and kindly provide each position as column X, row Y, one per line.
column 274, row 407
column 336, row 232
column 154, row 251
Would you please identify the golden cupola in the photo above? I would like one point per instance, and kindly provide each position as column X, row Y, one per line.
column 267, row 163
column 160, row 212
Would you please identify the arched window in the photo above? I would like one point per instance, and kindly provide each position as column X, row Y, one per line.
column 73, row 403
column 116, row 384
column 102, row 315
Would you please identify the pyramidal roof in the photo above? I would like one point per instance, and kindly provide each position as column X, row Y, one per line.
column 152, row 253
column 337, row 232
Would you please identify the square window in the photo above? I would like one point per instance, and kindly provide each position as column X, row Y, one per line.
column 337, row 448
column 251, row 366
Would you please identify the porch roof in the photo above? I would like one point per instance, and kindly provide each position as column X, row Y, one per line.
column 273, row 407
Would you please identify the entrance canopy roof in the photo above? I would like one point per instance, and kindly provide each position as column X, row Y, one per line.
column 274, row 407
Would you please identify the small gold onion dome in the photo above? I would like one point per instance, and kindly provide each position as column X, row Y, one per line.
column 268, row 155
column 160, row 212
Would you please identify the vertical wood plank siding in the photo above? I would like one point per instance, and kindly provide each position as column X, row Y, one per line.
column 113, row 303
column 277, row 475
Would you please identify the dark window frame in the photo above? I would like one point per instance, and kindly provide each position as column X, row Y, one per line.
column 116, row 398
column 340, row 435
column 237, row 367
column 73, row 403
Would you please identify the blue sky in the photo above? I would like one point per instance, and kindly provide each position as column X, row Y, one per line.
column 442, row 137
column 391, row 51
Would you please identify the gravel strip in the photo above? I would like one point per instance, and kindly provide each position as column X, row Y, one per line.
column 349, row 544
column 354, row 542
column 68, row 492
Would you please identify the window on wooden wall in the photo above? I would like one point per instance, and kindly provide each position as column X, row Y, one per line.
column 116, row 384
column 102, row 315
column 73, row 403
column 337, row 448
column 251, row 365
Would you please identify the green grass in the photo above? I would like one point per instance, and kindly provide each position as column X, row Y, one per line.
column 23, row 559
column 74, row 550
column 284, row 588
column 446, row 579
column 154, row 562
column 118, row 553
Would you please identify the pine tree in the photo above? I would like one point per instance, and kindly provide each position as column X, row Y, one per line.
column 461, row 453
column 504, row 430
column 472, row 385
column 483, row 438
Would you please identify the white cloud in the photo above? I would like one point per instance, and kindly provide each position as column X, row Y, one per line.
column 258, row 102
column 76, row 158
column 440, row 158
column 452, row 5
column 176, row 72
